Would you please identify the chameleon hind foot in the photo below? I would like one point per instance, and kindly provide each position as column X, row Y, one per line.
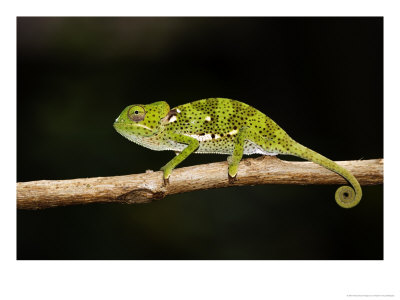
column 232, row 170
column 231, row 179
column 166, row 173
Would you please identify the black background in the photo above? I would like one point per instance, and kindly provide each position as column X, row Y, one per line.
column 320, row 79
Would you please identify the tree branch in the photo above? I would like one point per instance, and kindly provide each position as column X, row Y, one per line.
column 146, row 187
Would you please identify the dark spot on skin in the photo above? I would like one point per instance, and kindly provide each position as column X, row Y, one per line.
column 213, row 136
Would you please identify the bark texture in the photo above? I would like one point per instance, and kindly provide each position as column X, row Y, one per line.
column 146, row 187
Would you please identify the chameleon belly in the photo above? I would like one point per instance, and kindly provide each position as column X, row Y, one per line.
column 223, row 147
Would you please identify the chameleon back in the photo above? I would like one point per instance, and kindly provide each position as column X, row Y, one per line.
column 215, row 123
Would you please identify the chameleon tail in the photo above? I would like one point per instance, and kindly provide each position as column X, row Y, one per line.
column 345, row 196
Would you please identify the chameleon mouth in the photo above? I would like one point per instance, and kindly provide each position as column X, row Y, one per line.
column 117, row 125
column 121, row 127
column 125, row 128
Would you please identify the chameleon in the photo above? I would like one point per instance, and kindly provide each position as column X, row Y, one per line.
column 220, row 126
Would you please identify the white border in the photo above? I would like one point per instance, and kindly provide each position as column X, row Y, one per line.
column 198, row 279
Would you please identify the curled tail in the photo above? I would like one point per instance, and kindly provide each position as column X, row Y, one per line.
column 345, row 196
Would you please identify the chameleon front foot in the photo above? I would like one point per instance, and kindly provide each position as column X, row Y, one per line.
column 166, row 173
column 165, row 181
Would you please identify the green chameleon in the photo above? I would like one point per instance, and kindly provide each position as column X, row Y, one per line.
column 220, row 126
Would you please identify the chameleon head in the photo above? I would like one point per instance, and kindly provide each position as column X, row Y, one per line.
column 140, row 120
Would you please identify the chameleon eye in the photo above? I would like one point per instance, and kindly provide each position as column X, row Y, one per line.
column 136, row 113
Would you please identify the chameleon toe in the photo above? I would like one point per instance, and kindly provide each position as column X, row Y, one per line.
column 231, row 179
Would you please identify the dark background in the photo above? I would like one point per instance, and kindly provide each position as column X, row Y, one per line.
column 320, row 79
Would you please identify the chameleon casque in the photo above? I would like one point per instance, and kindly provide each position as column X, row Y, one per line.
column 220, row 126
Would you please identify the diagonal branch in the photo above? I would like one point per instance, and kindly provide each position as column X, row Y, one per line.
column 146, row 187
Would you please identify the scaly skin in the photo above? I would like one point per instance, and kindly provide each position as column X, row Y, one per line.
column 220, row 126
